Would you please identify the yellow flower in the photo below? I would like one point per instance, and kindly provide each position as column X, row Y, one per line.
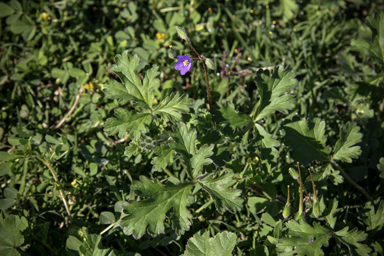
column 45, row 16
column 89, row 86
column 74, row 183
column 160, row 36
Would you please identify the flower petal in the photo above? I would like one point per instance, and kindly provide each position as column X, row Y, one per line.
column 179, row 65
column 183, row 58
column 185, row 69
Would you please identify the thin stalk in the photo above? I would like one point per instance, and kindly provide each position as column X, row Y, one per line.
column 70, row 111
column 201, row 58
column 345, row 175
column 108, row 228
column 301, row 195
column 208, row 88
column 205, row 206
column 313, row 186
column 48, row 164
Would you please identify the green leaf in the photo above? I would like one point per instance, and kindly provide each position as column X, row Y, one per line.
column 185, row 145
column 164, row 159
column 5, row 10
column 149, row 214
column 270, row 89
column 222, row 244
column 107, row 218
column 6, row 203
column 374, row 221
column 328, row 172
column 304, row 239
column 90, row 246
column 76, row 72
column 327, row 213
column 5, row 168
column 307, row 140
column 225, row 198
column 201, row 158
column 349, row 136
column 380, row 166
column 63, row 75
column 10, row 192
column 351, row 239
column 10, row 235
column 132, row 88
column 228, row 114
column 375, row 48
column 287, row 9
column 133, row 149
column 19, row 26
column 172, row 106
column 126, row 121
column 267, row 144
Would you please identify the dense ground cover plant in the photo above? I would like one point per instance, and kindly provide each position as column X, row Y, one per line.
column 117, row 138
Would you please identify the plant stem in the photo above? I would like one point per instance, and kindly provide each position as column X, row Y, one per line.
column 301, row 195
column 71, row 110
column 208, row 88
column 108, row 228
column 201, row 58
column 345, row 175
column 48, row 164
column 205, row 206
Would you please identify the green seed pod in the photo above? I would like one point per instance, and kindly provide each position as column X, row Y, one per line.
column 171, row 53
column 316, row 209
column 300, row 216
column 210, row 64
column 294, row 174
column 182, row 33
column 287, row 207
column 286, row 211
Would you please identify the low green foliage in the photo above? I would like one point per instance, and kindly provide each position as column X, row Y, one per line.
column 106, row 149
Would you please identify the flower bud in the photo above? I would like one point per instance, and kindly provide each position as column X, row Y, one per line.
column 210, row 64
column 287, row 207
column 300, row 216
column 171, row 53
column 286, row 211
column 316, row 209
column 294, row 174
column 255, row 160
column 182, row 33
column 249, row 160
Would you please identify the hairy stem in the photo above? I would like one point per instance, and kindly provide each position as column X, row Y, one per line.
column 201, row 58
column 345, row 175
column 208, row 88
column 70, row 111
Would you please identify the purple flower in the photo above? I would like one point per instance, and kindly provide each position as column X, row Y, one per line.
column 183, row 64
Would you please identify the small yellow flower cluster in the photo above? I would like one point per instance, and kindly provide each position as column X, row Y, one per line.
column 255, row 160
column 160, row 36
column 74, row 183
column 89, row 86
column 45, row 16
